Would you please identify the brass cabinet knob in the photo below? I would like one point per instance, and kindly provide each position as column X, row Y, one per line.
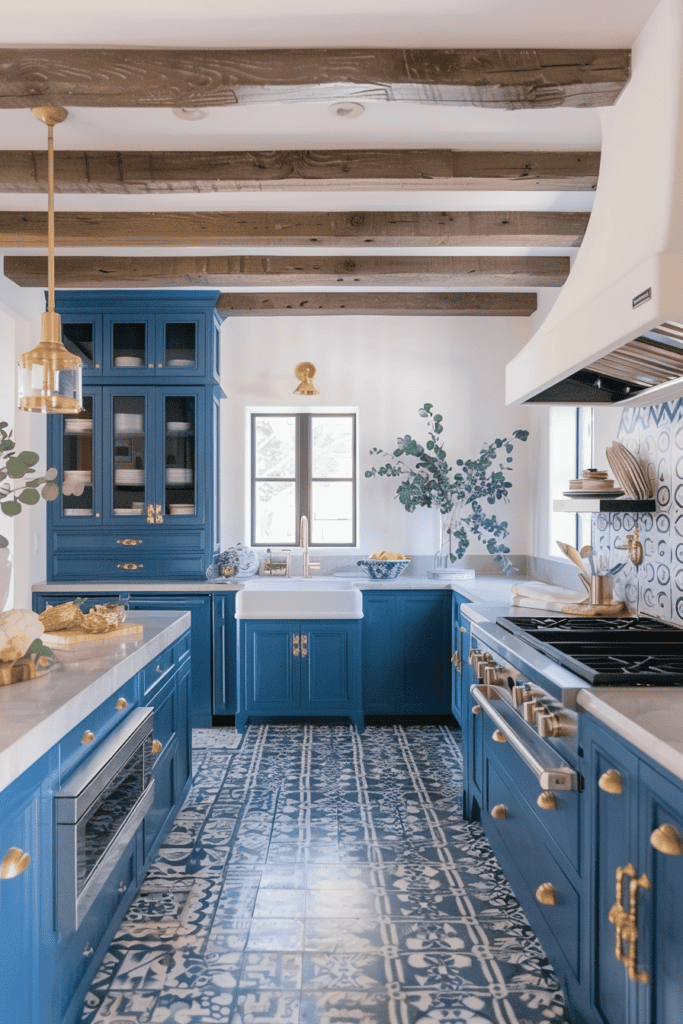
column 14, row 863
column 499, row 812
column 546, row 800
column 88, row 950
column 666, row 839
column 122, row 887
column 129, row 542
column 476, row 709
column 121, row 704
column 157, row 746
column 499, row 736
column 546, row 894
column 130, row 565
column 158, row 670
column 611, row 782
column 87, row 737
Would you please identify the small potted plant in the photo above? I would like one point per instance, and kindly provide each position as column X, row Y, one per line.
column 427, row 481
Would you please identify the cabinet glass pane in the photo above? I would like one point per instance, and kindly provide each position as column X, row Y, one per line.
column 180, row 484
column 332, row 446
column 274, row 512
column 77, row 462
column 128, row 468
column 128, row 342
column 79, row 339
column 180, row 344
column 275, row 446
column 332, row 512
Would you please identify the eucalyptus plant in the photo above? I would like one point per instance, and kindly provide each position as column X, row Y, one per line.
column 428, row 481
column 14, row 467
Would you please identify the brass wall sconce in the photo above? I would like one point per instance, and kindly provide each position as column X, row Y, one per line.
column 50, row 377
column 305, row 373
column 633, row 546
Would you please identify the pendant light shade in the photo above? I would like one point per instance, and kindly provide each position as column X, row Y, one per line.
column 49, row 375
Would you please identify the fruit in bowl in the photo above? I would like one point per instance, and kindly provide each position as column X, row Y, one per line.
column 387, row 565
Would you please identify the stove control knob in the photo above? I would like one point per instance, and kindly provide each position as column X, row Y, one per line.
column 492, row 674
column 477, row 659
column 529, row 709
column 518, row 693
column 550, row 723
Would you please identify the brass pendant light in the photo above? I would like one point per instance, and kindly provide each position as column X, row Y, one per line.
column 305, row 372
column 49, row 375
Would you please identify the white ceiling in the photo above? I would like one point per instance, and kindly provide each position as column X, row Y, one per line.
column 267, row 126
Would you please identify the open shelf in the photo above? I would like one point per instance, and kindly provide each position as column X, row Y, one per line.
column 605, row 505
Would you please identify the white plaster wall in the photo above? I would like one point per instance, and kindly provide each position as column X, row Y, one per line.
column 387, row 367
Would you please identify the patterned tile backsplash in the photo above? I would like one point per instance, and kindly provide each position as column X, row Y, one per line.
column 655, row 435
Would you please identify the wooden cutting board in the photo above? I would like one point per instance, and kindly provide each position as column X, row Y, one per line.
column 71, row 637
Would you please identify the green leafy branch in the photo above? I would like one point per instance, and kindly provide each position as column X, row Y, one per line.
column 14, row 467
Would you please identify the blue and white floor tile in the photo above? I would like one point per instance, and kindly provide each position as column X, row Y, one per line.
column 315, row 876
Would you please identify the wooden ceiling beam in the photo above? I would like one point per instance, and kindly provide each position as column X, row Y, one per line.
column 491, row 78
column 142, row 173
column 314, row 230
column 377, row 304
column 273, row 272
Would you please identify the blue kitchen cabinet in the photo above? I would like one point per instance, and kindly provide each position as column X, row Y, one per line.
column 299, row 669
column 199, row 605
column 459, row 641
column 406, row 651
column 224, row 632
column 630, row 800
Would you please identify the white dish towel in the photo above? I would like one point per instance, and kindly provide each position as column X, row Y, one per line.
column 545, row 595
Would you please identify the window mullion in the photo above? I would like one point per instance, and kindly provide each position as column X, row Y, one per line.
column 304, row 465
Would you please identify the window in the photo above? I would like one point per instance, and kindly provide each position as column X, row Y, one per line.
column 303, row 464
column 571, row 451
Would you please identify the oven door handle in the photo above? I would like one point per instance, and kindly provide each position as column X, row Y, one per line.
column 550, row 776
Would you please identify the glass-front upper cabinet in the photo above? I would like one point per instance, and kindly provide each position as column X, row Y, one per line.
column 132, row 424
column 80, row 495
column 129, row 344
column 179, row 416
column 137, row 345
column 83, row 337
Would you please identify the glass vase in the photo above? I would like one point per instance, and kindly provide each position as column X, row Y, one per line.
column 445, row 566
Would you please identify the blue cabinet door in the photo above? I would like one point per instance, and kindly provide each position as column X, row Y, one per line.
column 381, row 653
column 424, row 622
column 273, row 667
column 224, row 639
column 325, row 664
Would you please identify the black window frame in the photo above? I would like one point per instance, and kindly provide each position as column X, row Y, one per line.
column 303, row 480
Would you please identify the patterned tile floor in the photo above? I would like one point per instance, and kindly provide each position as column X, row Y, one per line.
column 315, row 876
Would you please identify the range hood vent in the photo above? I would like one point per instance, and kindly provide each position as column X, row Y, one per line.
column 615, row 333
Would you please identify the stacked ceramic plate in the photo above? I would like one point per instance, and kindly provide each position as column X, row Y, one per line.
column 129, row 422
column 77, row 426
column 181, row 510
column 127, row 361
column 77, row 476
column 77, row 512
column 176, row 427
column 593, row 483
column 128, row 511
column 628, row 471
column 177, row 476
column 180, row 362
column 129, row 476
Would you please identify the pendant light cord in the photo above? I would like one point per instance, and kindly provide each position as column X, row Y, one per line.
column 50, row 221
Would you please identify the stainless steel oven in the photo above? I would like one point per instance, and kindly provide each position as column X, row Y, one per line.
column 98, row 812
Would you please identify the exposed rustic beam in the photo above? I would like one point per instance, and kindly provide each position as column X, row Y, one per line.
column 507, row 79
column 313, row 170
column 366, row 229
column 225, row 271
column 377, row 304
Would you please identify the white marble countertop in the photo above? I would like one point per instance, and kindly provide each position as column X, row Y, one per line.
column 38, row 713
column 651, row 718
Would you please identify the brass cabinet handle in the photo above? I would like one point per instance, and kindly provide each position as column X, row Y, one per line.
column 131, row 566
column 121, row 704
column 304, row 645
column 129, row 542
column 626, row 921
column 476, row 709
column 296, row 640
column 546, row 894
column 150, row 514
column 666, row 839
column 499, row 812
column 157, row 746
column 546, row 800
column 88, row 950
column 158, row 518
column 87, row 737
column 499, row 736
column 14, row 863
column 456, row 660
column 611, row 782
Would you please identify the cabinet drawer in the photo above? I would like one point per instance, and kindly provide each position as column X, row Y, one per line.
column 523, row 839
column 133, row 565
column 165, row 713
column 157, row 818
column 129, row 542
column 73, row 750
column 562, row 824
column 156, row 671
column 79, row 949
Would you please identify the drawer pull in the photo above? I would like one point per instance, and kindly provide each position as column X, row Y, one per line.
column 129, row 542
column 130, row 565
column 476, row 709
column 87, row 737
column 546, row 894
column 157, row 746
column 546, row 800
column 611, row 782
column 122, row 887
column 88, row 950
column 121, row 704
column 666, row 839
column 158, row 670
column 499, row 736
column 499, row 812
column 14, row 863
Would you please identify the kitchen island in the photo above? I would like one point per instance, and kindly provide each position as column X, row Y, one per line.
column 94, row 765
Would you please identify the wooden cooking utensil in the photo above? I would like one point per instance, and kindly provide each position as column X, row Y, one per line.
column 572, row 554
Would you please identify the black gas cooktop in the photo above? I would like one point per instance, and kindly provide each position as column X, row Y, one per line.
column 607, row 652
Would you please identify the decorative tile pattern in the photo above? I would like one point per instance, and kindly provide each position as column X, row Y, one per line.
column 315, row 876
column 655, row 435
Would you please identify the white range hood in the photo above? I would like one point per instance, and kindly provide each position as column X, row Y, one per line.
column 615, row 333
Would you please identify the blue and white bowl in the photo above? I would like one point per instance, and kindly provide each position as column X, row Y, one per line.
column 237, row 563
column 379, row 569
